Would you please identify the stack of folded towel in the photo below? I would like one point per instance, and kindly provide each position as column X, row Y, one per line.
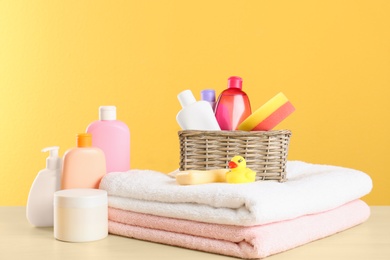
column 252, row 220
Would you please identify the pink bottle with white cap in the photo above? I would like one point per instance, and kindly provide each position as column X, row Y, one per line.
column 113, row 137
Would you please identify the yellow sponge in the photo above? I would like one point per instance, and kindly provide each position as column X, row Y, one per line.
column 269, row 115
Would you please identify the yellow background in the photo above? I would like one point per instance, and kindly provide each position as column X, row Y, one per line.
column 61, row 60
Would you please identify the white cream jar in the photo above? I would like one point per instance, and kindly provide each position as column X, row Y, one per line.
column 80, row 215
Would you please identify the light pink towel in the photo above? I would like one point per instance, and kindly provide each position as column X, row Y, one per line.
column 244, row 242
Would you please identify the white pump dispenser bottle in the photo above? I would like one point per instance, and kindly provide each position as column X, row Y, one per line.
column 40, row 211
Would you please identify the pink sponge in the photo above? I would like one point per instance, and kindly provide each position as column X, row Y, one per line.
column 269, row 115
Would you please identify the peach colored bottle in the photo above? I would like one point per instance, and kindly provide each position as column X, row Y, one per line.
column 84, row 166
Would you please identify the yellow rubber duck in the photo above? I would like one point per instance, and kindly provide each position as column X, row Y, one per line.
column 239, row 173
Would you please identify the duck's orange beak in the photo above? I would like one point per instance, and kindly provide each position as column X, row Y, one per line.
column 232, row 165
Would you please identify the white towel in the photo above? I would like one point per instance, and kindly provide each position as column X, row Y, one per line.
column 310, row 189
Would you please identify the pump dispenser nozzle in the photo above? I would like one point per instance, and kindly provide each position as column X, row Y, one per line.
column 53, row 162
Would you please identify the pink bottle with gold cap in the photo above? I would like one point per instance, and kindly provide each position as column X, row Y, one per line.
column 84, row 166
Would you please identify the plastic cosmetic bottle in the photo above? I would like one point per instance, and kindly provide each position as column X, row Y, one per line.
column 209, row 96
column 84, row 166
column 195, row 115
column 233, row 105
column 39, row 210
column 113, row 137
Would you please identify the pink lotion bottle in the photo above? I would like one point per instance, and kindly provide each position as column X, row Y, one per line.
column 232, row 106
column 84, row 166
column 113, row 137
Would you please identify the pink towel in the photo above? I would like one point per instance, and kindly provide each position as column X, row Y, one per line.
column 244, row 242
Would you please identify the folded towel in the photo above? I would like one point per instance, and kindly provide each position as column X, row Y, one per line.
column 310, row 189
column 244, row 242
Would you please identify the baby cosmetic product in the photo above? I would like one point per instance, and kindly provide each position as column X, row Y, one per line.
column 192, row 177
column 113, row 137
column 268, row 115
column 209, row 96
column 83, row 166
column 233, row 105
column 80, row 215
column 195, row 115
column 39, row 208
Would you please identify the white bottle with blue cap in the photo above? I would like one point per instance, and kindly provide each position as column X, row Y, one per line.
column 40, row 208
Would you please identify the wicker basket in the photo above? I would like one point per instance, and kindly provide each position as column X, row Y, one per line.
column 264, row 151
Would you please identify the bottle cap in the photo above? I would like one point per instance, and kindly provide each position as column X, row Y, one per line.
column 186, row 98
column 235, row 82
column 53, row 162
column 107, row 113
column 84, row 140
column 208, row 95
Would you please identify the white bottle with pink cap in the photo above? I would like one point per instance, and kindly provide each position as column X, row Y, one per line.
column 113, row 137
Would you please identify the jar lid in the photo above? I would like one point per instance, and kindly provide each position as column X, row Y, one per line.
column 80, row 198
